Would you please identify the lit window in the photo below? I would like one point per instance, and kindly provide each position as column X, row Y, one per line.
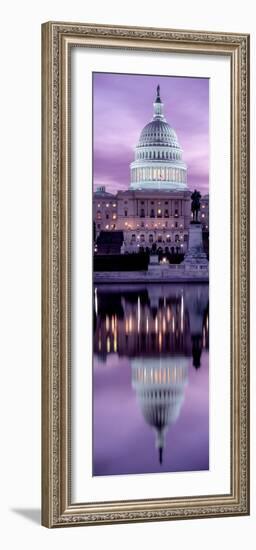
column 107, row 205
column 202, row 215
column 113, row 216
column 114, row 204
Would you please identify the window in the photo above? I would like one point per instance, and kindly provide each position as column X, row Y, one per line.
column 141, row 202
column 98, row 226
column 166, row 203
column 133, row 238
column 152, row 213
column 159, row 238
column 151, row 238
column 98, row 215
column 142, row 238
column 107, row 216
column 125, row 213
column 159, row 213
column 176, row 213
column 142, row 213
column 176, row 224
column 177, row 238
column 168, row 238
column 152, row 202
column 166, row 213
column 114, row 216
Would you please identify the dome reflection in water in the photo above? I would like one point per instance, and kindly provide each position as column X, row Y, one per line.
column 150, row 381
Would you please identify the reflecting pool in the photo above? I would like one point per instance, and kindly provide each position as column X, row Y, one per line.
column 150, row 378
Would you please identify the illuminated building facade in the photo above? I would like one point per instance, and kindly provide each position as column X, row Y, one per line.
column 156, row 209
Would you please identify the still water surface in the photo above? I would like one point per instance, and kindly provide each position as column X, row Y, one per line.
column 150, row 379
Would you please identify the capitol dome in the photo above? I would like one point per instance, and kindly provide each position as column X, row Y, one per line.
column 158, row 132
column 160, row 385
column 158, row 160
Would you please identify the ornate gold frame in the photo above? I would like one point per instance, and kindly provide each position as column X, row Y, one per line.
column 57, row 41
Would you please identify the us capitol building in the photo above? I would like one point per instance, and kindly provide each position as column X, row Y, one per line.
column 156, row 209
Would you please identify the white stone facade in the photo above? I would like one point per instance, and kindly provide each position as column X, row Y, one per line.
column 156, row 209
column 158, row 160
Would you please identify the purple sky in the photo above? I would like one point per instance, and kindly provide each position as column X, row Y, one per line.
column 123, row 106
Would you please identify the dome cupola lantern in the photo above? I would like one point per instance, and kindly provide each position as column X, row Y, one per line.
column 158, row 160
column 158, row 106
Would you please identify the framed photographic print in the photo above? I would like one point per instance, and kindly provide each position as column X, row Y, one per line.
column 145, row 274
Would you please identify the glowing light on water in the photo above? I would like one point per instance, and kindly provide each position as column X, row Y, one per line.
column 96, row 300
column 173, row 324
column 138, row 313
column 160, row 341
column 130, row 323
column 182, row 314
column 164, row 324
column 156, row 324
column 108, row 344
column 107, row 323
column 168, row 314
column 115, row 342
